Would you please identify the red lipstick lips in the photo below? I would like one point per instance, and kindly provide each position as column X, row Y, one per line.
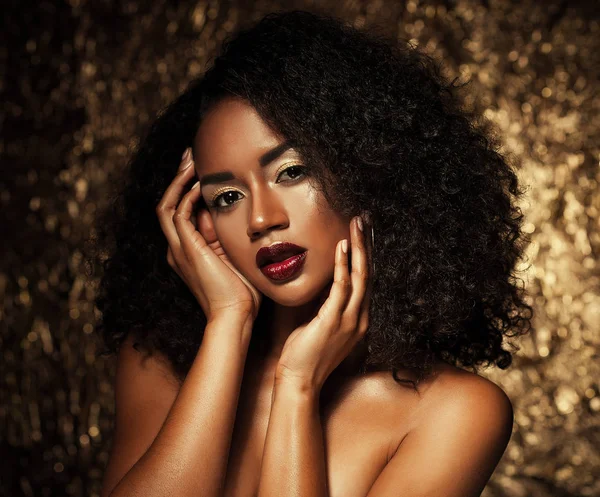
column 280, row 261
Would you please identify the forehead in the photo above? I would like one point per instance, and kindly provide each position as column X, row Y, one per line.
column 232, row 135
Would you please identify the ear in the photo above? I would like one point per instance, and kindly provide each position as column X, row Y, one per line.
column 205, row 226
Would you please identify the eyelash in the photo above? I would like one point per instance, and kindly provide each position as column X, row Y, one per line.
column 219, row 193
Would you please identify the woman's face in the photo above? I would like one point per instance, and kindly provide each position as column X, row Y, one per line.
column 260, row 204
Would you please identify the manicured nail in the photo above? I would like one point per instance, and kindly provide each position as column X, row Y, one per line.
column 185, row 153
column 360, row 223
column 345, row 246
column 186, row 163
column 196, row 185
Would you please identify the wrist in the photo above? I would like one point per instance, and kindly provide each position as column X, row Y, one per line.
column 233, row 324
column 296, row 386
column 295, row 393
column 233, row 317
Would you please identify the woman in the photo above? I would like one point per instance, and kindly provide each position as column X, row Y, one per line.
column 331, row 366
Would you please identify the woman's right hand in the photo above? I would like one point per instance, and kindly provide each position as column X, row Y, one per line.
column 196, row 255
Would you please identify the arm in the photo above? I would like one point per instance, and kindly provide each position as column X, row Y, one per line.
column 294, row 455
column 188, row 452
column 452, row 453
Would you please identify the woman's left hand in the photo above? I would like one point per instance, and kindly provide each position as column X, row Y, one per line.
column 314, row 350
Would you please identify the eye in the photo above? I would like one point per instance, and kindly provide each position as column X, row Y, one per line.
column 293, row 171
column 225, row 196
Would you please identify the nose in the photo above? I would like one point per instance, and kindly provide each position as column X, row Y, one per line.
column 267, row 212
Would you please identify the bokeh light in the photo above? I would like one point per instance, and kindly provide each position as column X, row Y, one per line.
column 81, row 79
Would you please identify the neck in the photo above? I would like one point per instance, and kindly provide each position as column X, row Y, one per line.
column 276, row 322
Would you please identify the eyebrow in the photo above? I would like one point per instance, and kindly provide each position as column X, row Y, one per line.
column 265, row 159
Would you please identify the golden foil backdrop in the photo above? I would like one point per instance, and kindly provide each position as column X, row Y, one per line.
column 80, row 80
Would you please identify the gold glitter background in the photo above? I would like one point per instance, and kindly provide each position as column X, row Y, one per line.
column 79, row 82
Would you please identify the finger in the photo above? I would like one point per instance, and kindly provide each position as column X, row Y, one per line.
column 340, row 288
column 363, row 319
column 192, row 242
column 369, row 241
column 170, row 200
column 359, row 275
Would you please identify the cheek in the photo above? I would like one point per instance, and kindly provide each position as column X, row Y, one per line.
column 314, row 210
column 229, row 240
column 323, row 231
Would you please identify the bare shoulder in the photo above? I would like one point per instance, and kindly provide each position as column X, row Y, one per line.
column 449, row 387
column 464, row 388
column 451, row 397
column 458, row 397
column 145, row 385
column 145, row 389
column 456, row 428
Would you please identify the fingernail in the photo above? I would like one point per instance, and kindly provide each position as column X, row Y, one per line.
column 185, row 164
column 185, row 153
column 345, row 246
column 360, row 223
column 196, row 185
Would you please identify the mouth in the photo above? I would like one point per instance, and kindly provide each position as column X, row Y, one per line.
column 286, row 269
column 277, row 252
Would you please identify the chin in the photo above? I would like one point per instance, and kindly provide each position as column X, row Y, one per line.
column 294, row 293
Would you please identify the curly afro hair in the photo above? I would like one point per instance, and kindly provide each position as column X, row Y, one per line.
column 381, row 130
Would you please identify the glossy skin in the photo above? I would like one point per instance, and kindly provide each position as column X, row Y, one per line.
column 268, row 204
column 326, row 435
column 201, row 263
